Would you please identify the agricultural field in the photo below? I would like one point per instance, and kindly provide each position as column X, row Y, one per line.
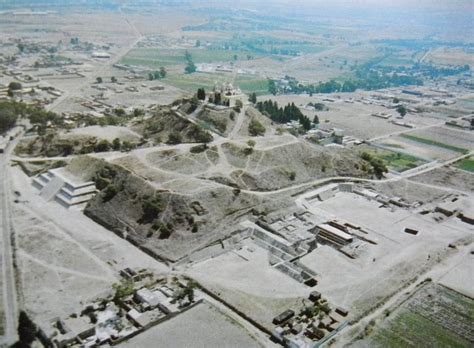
column 435, row 317
column 466, row 164
column 157, row 57
column 434, row 143
column 443, row 137
column 437, row 143
column 190, row 83
column 401, row 162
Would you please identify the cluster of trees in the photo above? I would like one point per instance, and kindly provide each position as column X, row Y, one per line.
column 190, row 66
column 186, row 292
column 11, row 110
column 152, row 206
column 156, row 75
column 283, row 115
column 201, row 94
column 372, row 76
column 378, row 166
column 253, row 98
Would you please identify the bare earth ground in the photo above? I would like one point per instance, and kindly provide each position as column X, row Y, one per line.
column 249, row 283
column 202, row 326
column 448, row 177
column 65, row 258
column 387, row 266
column 461, row 277
column 108, row 132
column 354, row 118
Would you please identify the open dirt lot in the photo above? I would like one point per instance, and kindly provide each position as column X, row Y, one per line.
column 202, row 326
column 448, row 177
column 461, row 277
column 249, row 283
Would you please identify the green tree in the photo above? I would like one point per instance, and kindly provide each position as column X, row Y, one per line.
column 174, row 138
column 272, row 87
column 8, row 115
column 138, row 112
column 113, row 79
column 256, row 128
column 126, row 146
column 190, row 68
column 402, row 110
column 163, row 72
column 198, row 43
column 253, row 98
column 116, row 144
column 102, row 146
column 99, row 80
column 316, row 119
column 14, row 86
column 152, row 206
column 188, row 56
column 120, row 112
column 201, row 94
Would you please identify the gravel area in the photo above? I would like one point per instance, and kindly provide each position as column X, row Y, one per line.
column 202, row 326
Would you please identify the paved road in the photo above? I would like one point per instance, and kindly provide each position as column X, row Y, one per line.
column 9, row 289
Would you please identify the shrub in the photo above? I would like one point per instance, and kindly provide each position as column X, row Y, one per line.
column 198, row 148
column 152, row 206
column 116, row 144
column 256, row 128
column 174, row 138
column 110, row 192
column 102, row 146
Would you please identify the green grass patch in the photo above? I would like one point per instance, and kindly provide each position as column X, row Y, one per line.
column 466, row 164
column 410, row 329
column 400, row 162
column 434, row 143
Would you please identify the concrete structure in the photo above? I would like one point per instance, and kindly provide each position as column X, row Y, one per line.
column 333, row 234
column 64, row 188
